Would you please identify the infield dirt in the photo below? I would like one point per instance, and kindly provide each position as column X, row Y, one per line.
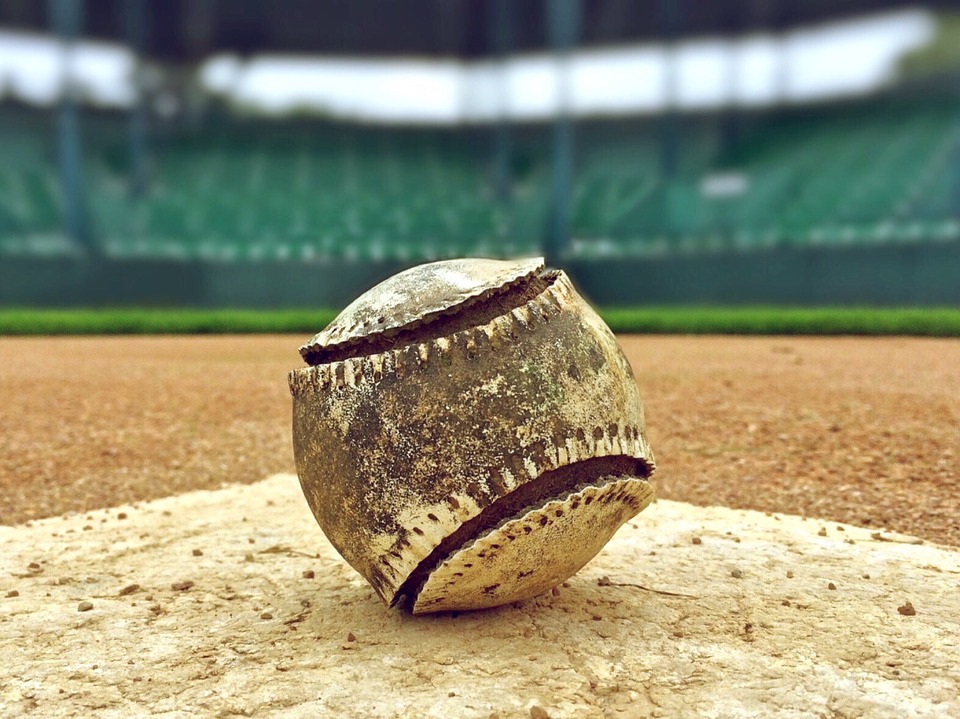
column 865, row 431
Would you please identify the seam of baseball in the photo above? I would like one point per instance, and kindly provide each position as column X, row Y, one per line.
column 470, row 313
column 628, row 441
column 564, row 482
column 415, row 356
column 627, row 490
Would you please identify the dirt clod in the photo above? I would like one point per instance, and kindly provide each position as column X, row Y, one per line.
column 84, row 606
column 736, row 573
column 308, row 574
column 197, row 552
column 696, row 540
column 906, row 609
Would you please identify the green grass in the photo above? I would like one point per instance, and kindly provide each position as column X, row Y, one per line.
column 159, row 321
column 937, row 322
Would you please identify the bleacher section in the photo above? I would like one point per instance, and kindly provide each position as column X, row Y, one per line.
column 246, row 191
column 30, row 210
column 301, row 192
column 869, row 175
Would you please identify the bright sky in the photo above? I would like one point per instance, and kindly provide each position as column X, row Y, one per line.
column 839, row 59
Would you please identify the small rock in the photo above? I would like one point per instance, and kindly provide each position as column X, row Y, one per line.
column 866, row 576
column 129, row 589
column 907, row 609
column 197, row 552
column 451, row 694
column 822, row 532
column 555, row 592
column 122, row 515
column 266, row 615
column 604, row 581
column 538, row 713
column 789, row 575
column 736, row 574
column 13, row 593
column 86, row 606
column 831, row 585
column 248, row 557
column 308, row 574
column 696, row 540
column 181, row 586
column 596, row 617
column 785, row 602
column 351, row 637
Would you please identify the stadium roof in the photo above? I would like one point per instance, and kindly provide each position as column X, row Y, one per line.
column 193, row 29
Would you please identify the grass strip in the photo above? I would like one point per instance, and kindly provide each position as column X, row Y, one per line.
column 932, row 322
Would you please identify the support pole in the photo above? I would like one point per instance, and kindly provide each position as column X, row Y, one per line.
column 67, row 20
column 137, row 125
column 668, row 16
column 564, row 31
column 502, row 31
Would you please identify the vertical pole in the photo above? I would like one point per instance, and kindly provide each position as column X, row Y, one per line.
column 67, row 18
column 502, row 31
column 564, row 30
column 668, row 17
column 137, row 126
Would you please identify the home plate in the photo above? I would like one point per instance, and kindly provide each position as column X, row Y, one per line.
column 232, row 603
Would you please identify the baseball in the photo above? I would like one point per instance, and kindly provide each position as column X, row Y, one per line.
column 468, row 433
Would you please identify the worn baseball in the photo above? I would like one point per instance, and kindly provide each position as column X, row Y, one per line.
column 468, row 433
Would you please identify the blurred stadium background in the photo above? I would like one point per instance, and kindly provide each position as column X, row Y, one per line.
column 242, row 153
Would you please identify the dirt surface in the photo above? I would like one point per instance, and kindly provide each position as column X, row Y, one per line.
column 865, row 431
